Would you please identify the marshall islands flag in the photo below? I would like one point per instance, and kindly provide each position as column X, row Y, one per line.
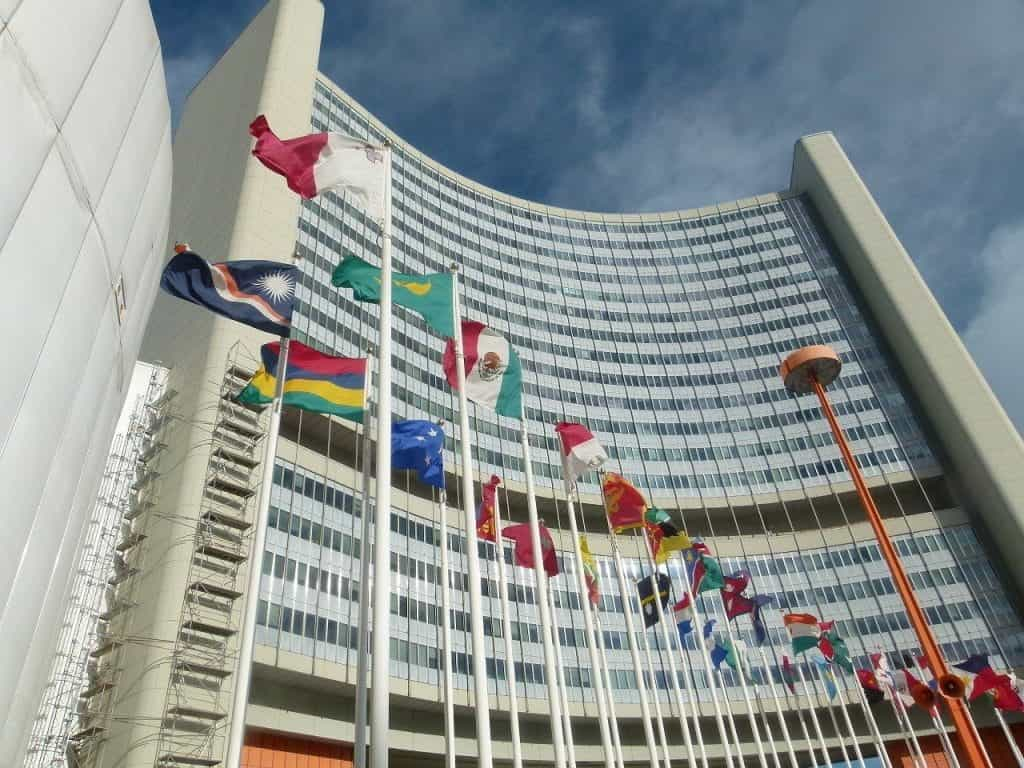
column 256, row 293
column 314, row 382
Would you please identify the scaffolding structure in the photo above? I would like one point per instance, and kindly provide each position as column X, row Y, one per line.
column 196, row 708
column 66, row 724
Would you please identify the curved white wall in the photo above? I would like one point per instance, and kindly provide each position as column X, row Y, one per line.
column 85, row 145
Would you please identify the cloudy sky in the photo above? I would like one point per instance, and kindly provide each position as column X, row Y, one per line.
column 653, row 106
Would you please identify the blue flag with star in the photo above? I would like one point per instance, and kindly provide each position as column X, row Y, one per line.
column 416, row 445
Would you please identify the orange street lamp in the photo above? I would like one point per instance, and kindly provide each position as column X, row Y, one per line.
column 811, row 369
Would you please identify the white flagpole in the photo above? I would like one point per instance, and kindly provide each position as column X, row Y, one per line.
column 677, row 645
column 247, row 638
column 662, row 737
column 883, row 753
column 363, row 638
column 832, row 717
column 841, row 695
column 814, row 715
column 550, row 672
column 446, row 640
column 947, row 745
column 684, row 726
column 762, row 759
column 698, row 629
column 778, row 708
column 380, row 723
column 1009, row 738
column 563, row 691
column 596, row 678
column 645, row 707
column 481, row 702
column 606, row 674
column 903, row 717
column 506, row 630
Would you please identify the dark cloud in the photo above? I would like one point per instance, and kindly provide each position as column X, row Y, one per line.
column 644, row 106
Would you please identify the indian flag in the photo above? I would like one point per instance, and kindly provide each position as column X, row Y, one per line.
column 803, row 631
column 494, row 376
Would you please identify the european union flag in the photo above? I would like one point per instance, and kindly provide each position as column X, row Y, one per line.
column 417, row 444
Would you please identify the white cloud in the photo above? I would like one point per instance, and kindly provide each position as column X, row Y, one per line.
column 993, row 336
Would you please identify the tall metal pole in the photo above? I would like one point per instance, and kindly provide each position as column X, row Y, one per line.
column 563, row 691
column 380, row 723
column 247, row 637
column 778, row 708
column 809, row 370
column 481, row 701
column 546, row 624
column 506, row 631
column 446, row 641
column 363, row 636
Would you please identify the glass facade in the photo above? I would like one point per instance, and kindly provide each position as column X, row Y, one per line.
column 663, row 333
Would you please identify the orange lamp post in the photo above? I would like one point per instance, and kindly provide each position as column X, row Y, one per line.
column 811, row 369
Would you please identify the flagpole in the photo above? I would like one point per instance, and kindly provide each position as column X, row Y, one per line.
column 363, row 637
column 903, row 717
column 883, row 753
column 778, row 708
column 698, row 625
column 814, row 715
column 550, row 673
column 691, row 756
column 849, row 727
column 247, row 637
column 662, row 736
column 506, row 629
column 832, row 716
column 607, row 682
column 597, row 679
column 1009, row 737
column 947, row 745
column 446, row 639
column 762, row 759
column 677, row 644
column 645, row 707
column 563, row 693
column 481, row 702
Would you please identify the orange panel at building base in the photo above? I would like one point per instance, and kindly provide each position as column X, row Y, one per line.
column 993, row 739
column 271, row 750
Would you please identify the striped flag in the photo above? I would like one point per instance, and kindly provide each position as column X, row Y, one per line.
column 494, row 376
column 803, row 631
column 580, row 451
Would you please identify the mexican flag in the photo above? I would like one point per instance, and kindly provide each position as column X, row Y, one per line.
column 803, row 631
column 494, row 376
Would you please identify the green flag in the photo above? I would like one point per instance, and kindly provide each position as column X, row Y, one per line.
column 430, row 295
column 708, row 575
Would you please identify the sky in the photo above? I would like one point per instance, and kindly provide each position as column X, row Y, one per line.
column 645, row 106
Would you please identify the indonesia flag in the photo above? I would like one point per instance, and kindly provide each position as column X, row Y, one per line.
column 580, row 449
column 324, row 161
column 494, row 376
column 256, row 293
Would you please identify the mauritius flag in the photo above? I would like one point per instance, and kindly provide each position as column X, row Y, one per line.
column 314, row 381
column 256, row 293
column 494, row 376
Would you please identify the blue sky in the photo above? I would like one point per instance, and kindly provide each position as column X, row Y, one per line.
column 654, row 106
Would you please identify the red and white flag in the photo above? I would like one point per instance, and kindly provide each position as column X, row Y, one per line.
column 580, row 449
column 494, row 376
column 324, row 161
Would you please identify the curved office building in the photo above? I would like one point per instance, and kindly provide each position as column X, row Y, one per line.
column 663, row 333
column 84, row 205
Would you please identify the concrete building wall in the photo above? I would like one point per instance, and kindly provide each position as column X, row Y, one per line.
column 86, row 155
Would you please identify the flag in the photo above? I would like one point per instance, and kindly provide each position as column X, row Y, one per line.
column 494, row 376
column 625, row 504
column 662, row 535
column 485, row 515
column 736, row 603
column 417, row 445
column 829, row 679
column 314, row 382
column 757, row 618
column 803, row 631
column 256, row 293
column 911, row 685
column 520, row 534
column 869, row 684
column 1006, row 697
column 682, row 612
column 589, row 571
column 725, row 651
column 707, row 573
column 429, row 295
column 646, row 592
column 324, row 161
column 787, row 674
column 581, row 452
column 979, row 675
column 837, row 652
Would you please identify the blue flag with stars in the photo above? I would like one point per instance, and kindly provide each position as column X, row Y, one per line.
column 416, row 445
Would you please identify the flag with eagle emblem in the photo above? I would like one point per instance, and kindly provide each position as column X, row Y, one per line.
column 494, row 376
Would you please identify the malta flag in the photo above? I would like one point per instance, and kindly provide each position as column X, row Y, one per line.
column 256, row 293
column 324, row 161
column 494, row 376
column 580, row 450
